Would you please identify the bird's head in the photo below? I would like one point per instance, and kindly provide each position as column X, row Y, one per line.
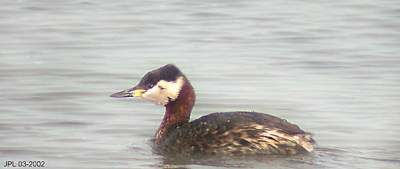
column 160, row 86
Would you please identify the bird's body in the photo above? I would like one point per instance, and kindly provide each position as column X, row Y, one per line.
column 226, row 133
column 237, row 133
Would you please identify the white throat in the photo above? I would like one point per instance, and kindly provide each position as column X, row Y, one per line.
column 164, row 91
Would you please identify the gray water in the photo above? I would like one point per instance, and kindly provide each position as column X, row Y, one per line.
column 332, row 67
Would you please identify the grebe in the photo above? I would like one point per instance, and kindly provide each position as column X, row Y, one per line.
column 226, row 133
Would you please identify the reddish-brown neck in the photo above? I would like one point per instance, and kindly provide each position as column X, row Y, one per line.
column 177, row 112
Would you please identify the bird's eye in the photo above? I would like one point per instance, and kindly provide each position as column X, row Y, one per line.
column 150, row 85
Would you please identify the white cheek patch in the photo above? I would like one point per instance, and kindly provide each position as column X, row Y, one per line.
column 164, row 91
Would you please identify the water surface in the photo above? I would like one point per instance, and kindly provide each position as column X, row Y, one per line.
column 331, row 67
